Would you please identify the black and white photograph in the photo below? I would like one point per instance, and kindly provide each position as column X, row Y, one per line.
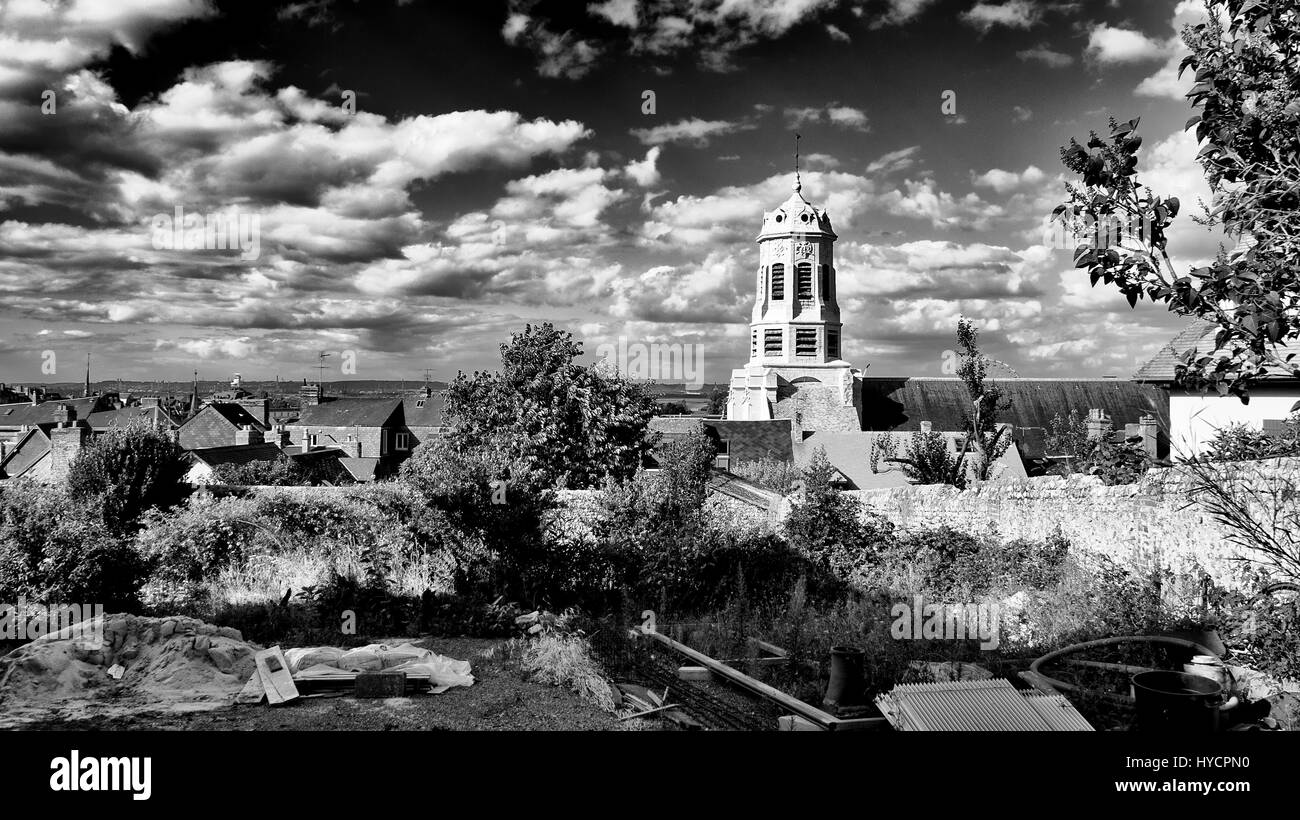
column 622, row 369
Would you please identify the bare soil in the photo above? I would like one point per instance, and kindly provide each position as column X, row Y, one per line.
column 500, row 700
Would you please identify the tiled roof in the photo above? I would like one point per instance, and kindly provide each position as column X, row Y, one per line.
column 350, row 413
column 47, row 412
column 236, row 454
column 974, row 706
column 1160, row 368
column 738, row 488
column 1198, row 335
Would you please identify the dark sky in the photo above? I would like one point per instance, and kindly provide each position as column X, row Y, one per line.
column 499, row 169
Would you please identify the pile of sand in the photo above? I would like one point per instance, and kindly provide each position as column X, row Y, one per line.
column 165, row 662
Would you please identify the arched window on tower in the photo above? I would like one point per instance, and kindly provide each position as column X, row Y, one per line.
column 778, row 282
column 803, row 280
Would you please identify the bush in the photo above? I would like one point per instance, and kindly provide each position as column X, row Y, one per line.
column 774, row 474
column 829, row 528
column 125, row 472
column 56, row 550
column 1238, row 442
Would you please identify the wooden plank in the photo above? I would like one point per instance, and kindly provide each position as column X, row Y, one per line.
column 696, row 673
column 276, row 679
column 794, row 705
column 649, row 712
column 771, row 649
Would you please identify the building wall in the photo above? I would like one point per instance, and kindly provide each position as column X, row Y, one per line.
column 369, row 438
column 1194, row 419
column 1136, row 524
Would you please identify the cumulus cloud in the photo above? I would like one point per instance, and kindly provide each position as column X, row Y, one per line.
column 1006, row 181
column 1111, row 45
column 843, row 116
column 984, row 16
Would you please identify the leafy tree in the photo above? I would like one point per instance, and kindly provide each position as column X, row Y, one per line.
column 928, row 461
column 574, row 425
column 984, row 436
column 125, row 472
column 718, row 402
column 1247, row 102
column 1068, row 435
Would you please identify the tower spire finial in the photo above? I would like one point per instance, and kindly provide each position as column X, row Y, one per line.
column 798, row 186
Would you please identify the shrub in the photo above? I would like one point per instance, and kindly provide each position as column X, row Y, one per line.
column 564, row 660
column 57, row 550
column 1238, row 442
column 828, row 527
column 125, row 472
column 926, row 460
column 774, row 474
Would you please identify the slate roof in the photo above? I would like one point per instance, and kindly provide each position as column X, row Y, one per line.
column 430, row 415
column 236, row 414
column 236, row 454
column 351, row 413
column 1198, row 335
column 107, row 419
column 45, row 413
column 746, row 440
column 902, row 404
column 361, row 469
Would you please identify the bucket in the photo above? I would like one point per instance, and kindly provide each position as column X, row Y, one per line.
column 847, row 684
column 1208, row 666
column 1176, row 702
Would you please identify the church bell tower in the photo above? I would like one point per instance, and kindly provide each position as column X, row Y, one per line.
column 795, row 369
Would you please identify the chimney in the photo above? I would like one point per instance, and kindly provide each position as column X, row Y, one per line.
column 1150, row 432
column 926, row 427
column 280, row 436
column 31, row 392
column 1097, row 423
column 65, row 443
column 306, row 440
column 65, row 415
column 247, row 434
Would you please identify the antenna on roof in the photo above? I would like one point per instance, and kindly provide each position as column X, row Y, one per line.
column 320, row 368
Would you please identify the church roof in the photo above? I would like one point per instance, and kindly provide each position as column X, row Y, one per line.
column 1199, row 335
column 796, row 215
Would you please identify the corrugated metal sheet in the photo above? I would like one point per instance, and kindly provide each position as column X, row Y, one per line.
column 1058, row 712
column 974, row 706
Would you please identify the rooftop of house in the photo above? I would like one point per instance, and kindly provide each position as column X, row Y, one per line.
column 746, row 440
column 351, row 413
column 903, row 404
column 361, row 469
column 424, row 411
column 47, row 412
column 107, row 419
column 236, row 454
column 1198, row 335
column 235, row 414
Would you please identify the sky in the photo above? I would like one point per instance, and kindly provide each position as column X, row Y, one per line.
column 428, row 178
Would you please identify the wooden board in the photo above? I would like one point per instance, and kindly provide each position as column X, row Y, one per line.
column 277, row 681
